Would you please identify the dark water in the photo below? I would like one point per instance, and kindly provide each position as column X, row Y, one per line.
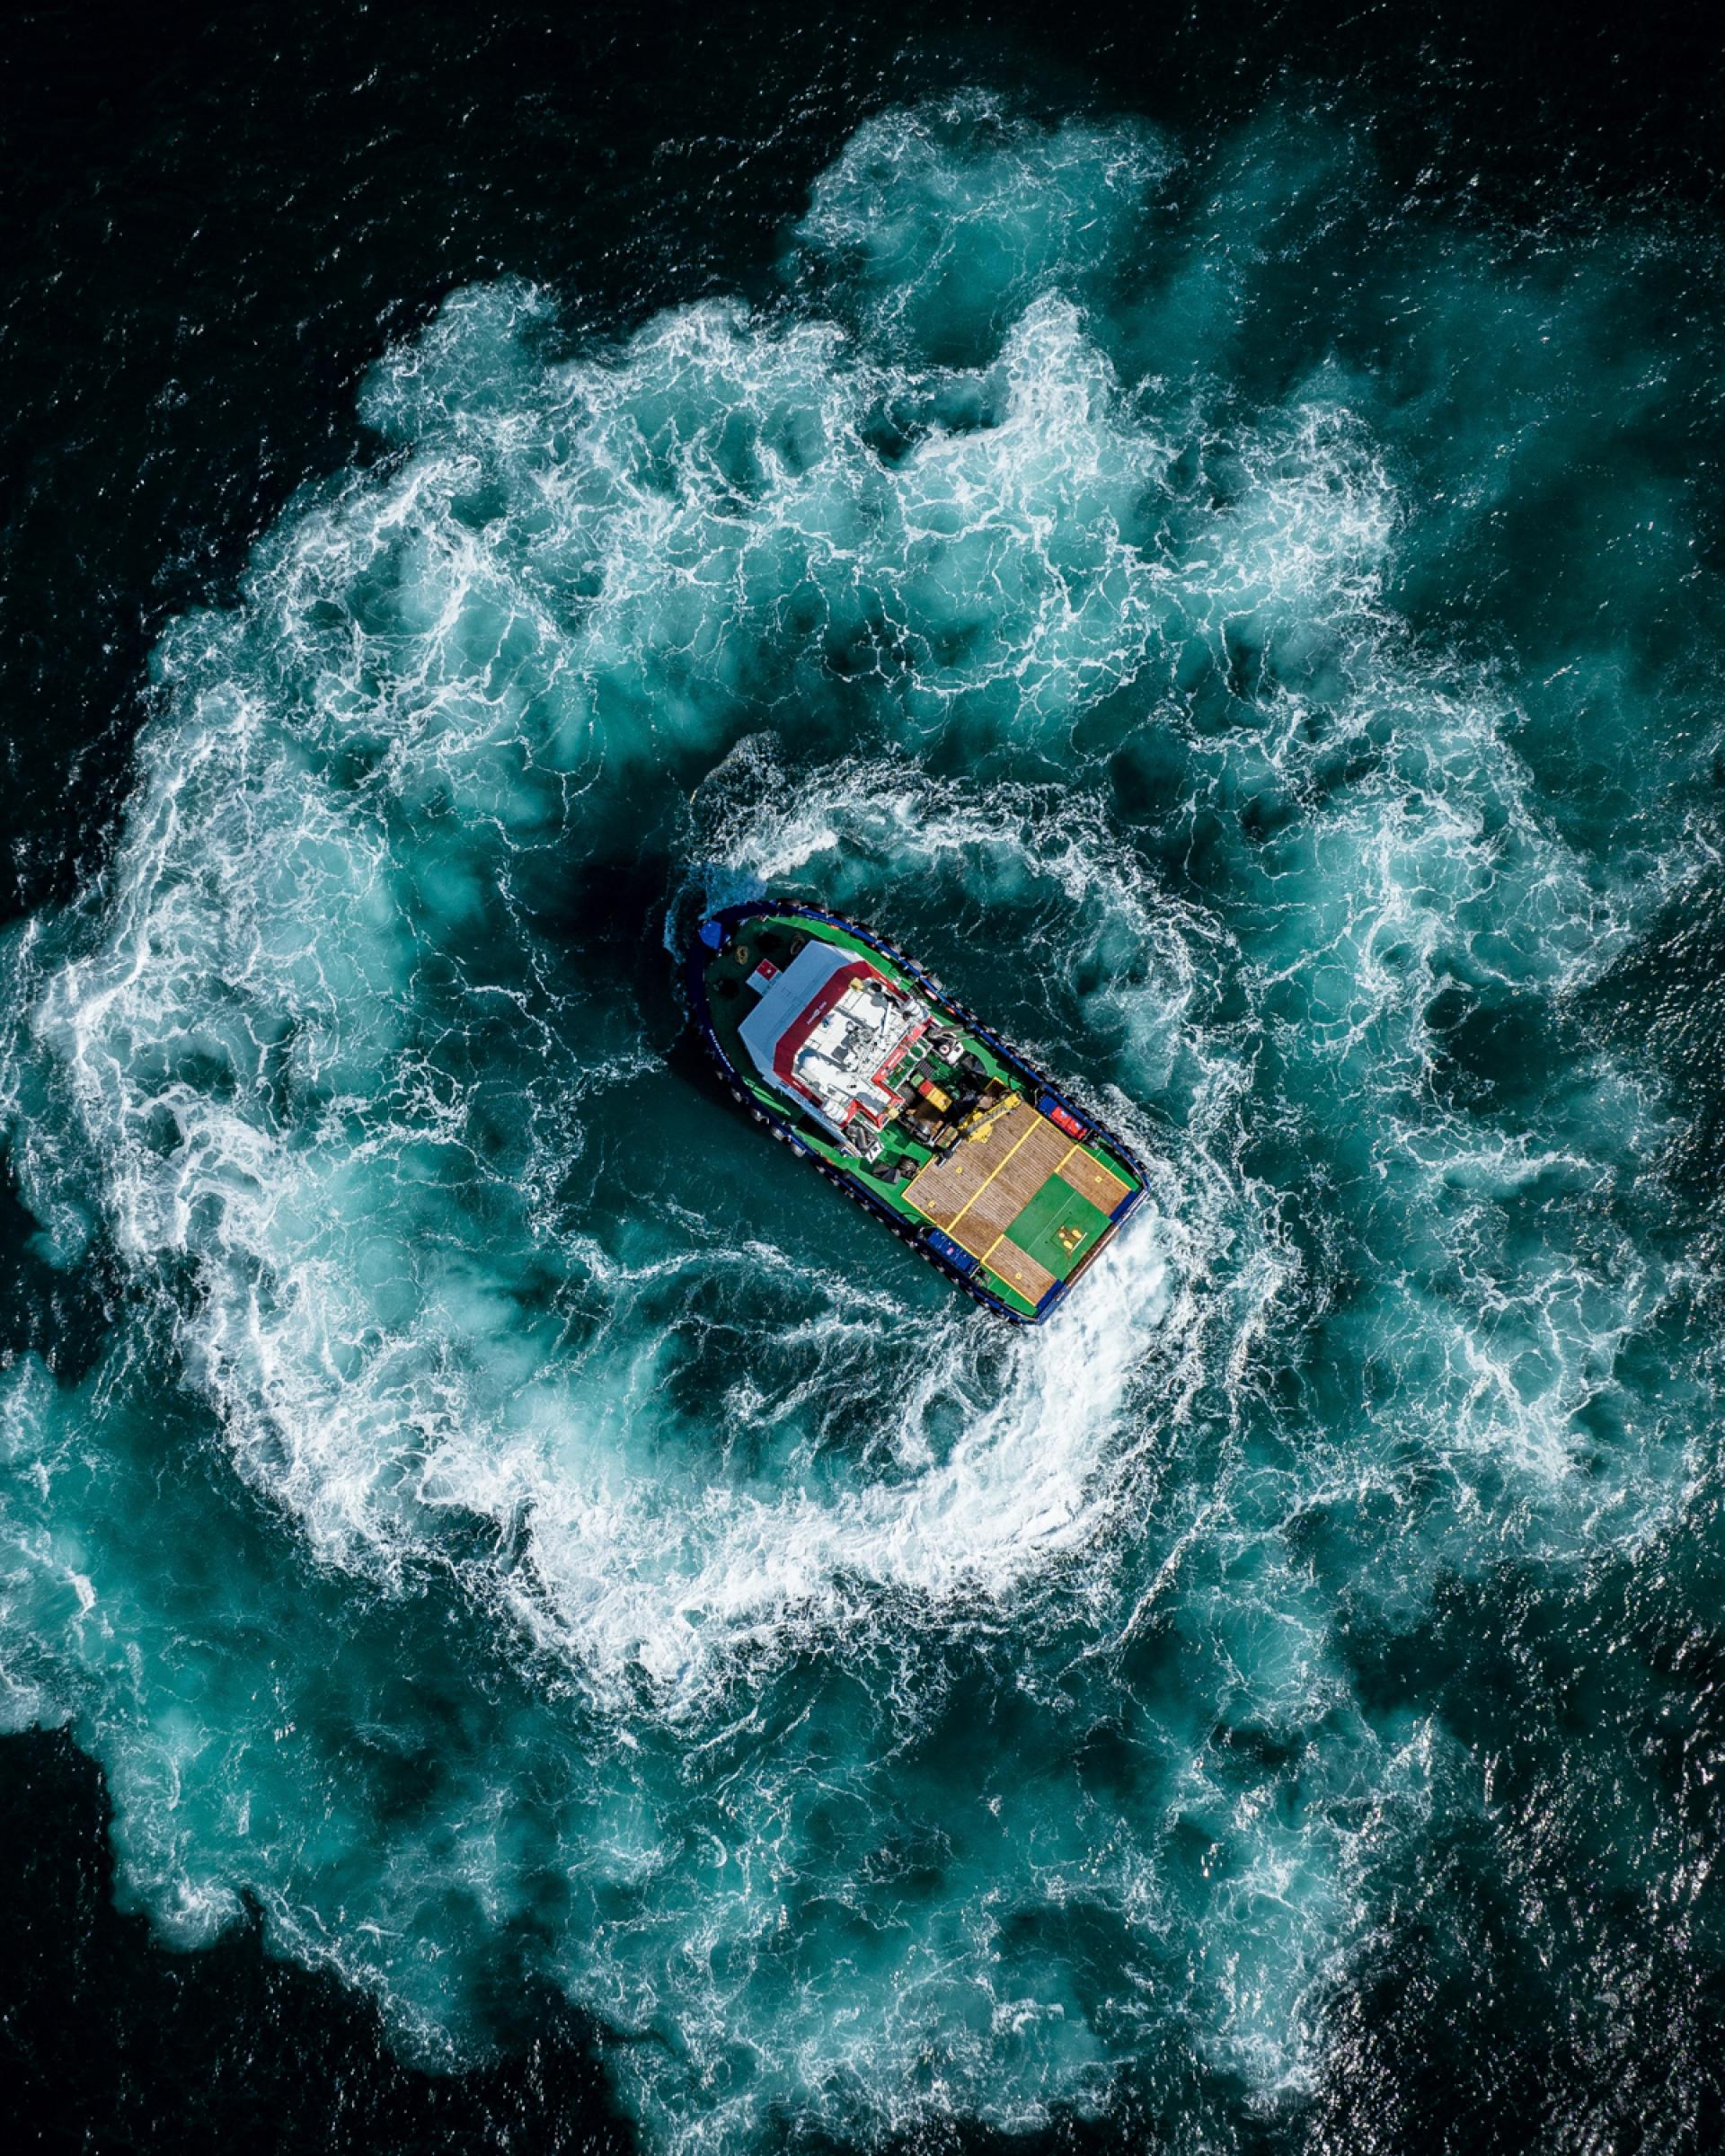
column 1207, row 532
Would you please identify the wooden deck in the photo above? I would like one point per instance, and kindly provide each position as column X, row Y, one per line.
column 1019, row 1269
column 1087, row 1175
column 982, row 1187
column 1013, row 1153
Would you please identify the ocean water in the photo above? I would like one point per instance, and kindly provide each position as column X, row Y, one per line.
column 1252, row 631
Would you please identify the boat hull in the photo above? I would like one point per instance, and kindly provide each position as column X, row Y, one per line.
column 947, row 1255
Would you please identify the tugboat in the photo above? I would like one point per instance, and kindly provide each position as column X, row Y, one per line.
column 859, row 1060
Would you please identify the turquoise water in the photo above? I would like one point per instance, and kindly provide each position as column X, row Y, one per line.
column 1253, row 636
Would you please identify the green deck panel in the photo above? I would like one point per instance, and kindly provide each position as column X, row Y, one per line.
column 1037, row 1230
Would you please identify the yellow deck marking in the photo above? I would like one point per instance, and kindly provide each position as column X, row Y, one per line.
column 1108, row 1189
column 995, row 1171
column 933, row 1166
column 1012, row 1223
column 1022, row 1273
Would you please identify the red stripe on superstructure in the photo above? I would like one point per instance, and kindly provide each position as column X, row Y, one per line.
column 826, row 996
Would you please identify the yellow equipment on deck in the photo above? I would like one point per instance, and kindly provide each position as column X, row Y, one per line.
column 982, row 1119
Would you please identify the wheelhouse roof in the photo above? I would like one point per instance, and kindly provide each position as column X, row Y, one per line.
column 794, row 1004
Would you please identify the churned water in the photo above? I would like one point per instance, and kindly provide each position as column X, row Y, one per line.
column 1258, row 644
